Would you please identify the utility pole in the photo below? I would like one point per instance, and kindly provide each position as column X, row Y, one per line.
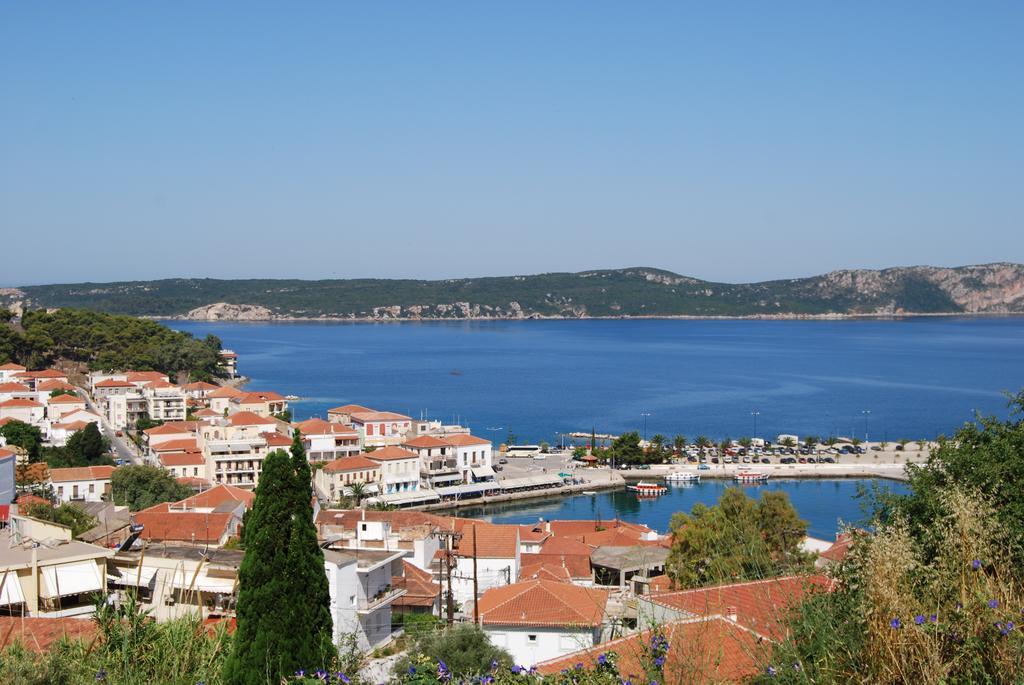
column 866, row 413
column 476, row 589
column 645, row 414
column 755, row 414
column 449, row 538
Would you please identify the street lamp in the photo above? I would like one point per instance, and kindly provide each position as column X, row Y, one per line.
column 495, row 430
column 866, row 413
column 645, row 414
column 755, row 414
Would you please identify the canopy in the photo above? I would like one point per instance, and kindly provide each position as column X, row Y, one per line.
column 466, row 489
column 483, row 472
column 203, row 583
column 409, row 497
column 141, row 577
column 10, row 592
column 71, row 579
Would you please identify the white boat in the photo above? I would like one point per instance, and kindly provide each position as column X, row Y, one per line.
column 751, row 477
column 590, row 492
column 648, row 489
column 683, row 477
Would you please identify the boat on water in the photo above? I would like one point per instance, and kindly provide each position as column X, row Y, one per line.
column 590, row 492
column 683, row 477
column 751, row 477
column 643, row 489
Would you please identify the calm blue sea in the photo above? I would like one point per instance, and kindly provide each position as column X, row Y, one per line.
column 824, row 504
column 917, row 377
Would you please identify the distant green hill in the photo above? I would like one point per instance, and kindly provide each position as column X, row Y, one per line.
column 609, row 293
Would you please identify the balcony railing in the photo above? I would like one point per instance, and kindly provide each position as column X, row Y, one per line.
column 388, row 593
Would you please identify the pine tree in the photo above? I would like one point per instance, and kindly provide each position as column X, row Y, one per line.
column 310, row 618
column 262, row 643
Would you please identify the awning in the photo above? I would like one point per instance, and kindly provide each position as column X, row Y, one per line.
column 483, row 472
column 71, row 579
column 530, row 482
column 135, row 576
column 11, row 593
column 203, row 583
column 409, row 497
column 466, row 489
column 447, row 478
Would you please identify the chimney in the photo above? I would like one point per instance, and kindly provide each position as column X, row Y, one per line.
column 730, row 613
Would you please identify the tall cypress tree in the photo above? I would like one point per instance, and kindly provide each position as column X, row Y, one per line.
column 284, row 620
column 310, row 617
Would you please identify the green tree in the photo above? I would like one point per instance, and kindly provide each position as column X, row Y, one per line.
column 736, row 539
column 61, row 391
column 25, row 436
column 66, row 514
column 86, row 447
column 465, row 649
column 141, row 487
column 358, row 491
column 283, row 613
column 679, row 443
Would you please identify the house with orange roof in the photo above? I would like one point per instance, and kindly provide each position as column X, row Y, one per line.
column 538, row 620
column 58, row 406
column 162, row 523
column 229, row 360
column 700, row 650
column 381, row 428
column 9, row 370
column 496, row 551
column 234, row 447
column 220, row 399
column 11, row 390
column 33, row 378
column 473, row 456
column 337, row 477
column 173, row 430
column 59, row 433
column 343, row 414
column 327, row 441
column 567, row 552
column 759, row 606
column 267, row 403
column 413, row 532
column 181, row 458
column 544, row 571
column 422, row 594
column 438, row 466
column 24, row 410
column 399, row 469
column 88, row 483
column 164, row 401
column 199, row 392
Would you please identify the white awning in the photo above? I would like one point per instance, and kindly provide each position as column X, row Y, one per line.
column 483, row 472
column 140, row 577
column 466, row 489
column 11, row 593
column 204, row 583
column 530, row 482
column 71, row 579
column 409, row 497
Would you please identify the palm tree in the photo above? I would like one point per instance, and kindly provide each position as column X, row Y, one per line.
column 788, row 441
column 358, row 492
column 658, row 442
column 921, row 444
column 703, row 443
column 679, row 443
column 810, row 441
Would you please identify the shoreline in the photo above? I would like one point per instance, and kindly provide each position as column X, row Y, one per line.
column 893, row 316
column 894, row 472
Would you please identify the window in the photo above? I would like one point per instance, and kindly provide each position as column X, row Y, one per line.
column 532, row 639
column 92, row 488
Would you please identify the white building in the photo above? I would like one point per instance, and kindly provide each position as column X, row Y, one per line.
column 473, row 457
column 362, row 592
column 26, row 411
column 381, row 428
column 88, row 483
column 326, row 441
column 9, row 371
column 399, row 469
column 496, row 548
column 537, row 620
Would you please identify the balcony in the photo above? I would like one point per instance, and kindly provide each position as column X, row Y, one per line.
column 437, row 468
column 386, row 595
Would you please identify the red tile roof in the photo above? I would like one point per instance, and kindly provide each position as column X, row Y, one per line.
column 217, row 495
column 158, row 384
column 182, row 459
column 199, row 385
column 573, row 527
column 492, row 541
column 425, row 441
column 140, row 376
column 761, row 606
column 275, row 439
column 66, row 399
column 111, row 383
column 14, row 387
column 45, row 373
column 173, row 428
column 353, row 463
column 247, row 418
column 50, row 386
column 11, row 366
column 183, row 445
column 183, row 526
column 703, row 651
column 205, row 413
column 37, row 634
column 463, row 440
column 543, row 603
column 840, row 548
column 366, row 417
column 545, row 571
column 26, row 501
column 73, row 426
column 258, row 397
column 391, row 453
column 81, row 473
column 350, row 409
column 421, row 590
column 532, row 534
column 20, row 402
column 226, row 391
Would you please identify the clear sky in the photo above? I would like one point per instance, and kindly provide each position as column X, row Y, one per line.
column 728, row 141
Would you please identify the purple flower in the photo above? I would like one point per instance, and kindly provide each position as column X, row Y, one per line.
column 976, row 564
column 101, row 674
column 895, row 623
column 919, row 619
column 578, row 666
column 797, row 667
column 487, row 680
column 603, row 659
column 659, row 662
column 344, row 678
column 494, row 664
column 993, row 603
column 933, row 618
column 412, row 670
column 517, row 668
column 300, row 673
column 772, row 671
column 320, row 674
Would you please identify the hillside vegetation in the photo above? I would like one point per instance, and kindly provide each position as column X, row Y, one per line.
column 609, row 293
column 104, row 341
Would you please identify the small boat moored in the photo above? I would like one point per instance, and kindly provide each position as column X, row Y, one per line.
column 648, row 489
column 683, row 477
column 751, row 477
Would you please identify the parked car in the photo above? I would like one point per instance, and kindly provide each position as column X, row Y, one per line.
column 714, row 460
column 746, row 460
column 644, row 467
column 498, row 467
column 787, row 460
column 828, row 460
column 692, row 459
column 765, row 460
column 503, row 460
column 703, row 467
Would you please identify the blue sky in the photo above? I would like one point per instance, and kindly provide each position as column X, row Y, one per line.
column 729, row 141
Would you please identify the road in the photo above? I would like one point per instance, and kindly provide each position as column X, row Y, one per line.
column 121, row 447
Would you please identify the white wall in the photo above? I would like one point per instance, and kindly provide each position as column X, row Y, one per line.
column 546, row 643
